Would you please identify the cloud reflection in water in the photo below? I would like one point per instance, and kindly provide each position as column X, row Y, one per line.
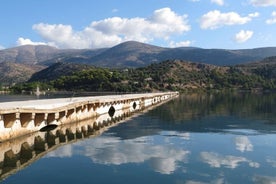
column 271, row 161
column 216, row 160
column 110, row 150
column 243, row 144
column 264, row 179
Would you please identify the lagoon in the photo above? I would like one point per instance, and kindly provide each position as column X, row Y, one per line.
column 196, row 138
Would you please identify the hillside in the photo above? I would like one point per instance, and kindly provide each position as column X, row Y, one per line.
column 11, row 73
column 28, row 54
column 265, row 68
column 58, row 70
column 168, row 75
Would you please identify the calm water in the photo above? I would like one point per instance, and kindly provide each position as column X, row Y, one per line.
column 219, row 138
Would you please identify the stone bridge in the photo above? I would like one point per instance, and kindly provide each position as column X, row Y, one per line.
column 25, row 117
column 20, row 152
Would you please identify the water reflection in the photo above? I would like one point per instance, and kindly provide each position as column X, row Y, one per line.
column 18, row 153
column 246, row 113
column 228, row 161
column 211, row 138
column 243, row 144
column 264, row 179
column 111, row 150
column 271, row 161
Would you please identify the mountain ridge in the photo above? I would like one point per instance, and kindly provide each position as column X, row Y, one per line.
column 132, row 54
column 129, row 54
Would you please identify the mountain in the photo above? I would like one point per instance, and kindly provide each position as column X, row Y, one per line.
column 132, row 54
column 269, row 61
column 43, row 55
column 265, row 68
column 219, row 57
column 28, row 54
column 129, row 54
column 11, row 72
column 136, row 54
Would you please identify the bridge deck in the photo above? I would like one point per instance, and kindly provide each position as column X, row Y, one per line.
column 57, row 103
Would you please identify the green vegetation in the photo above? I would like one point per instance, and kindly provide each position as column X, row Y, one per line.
column 167, row 75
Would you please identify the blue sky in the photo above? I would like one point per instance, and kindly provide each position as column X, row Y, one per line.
column 227, row 24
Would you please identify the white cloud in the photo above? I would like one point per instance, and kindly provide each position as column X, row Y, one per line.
column 111, row 31
column 215, row 19
column 218, row 2
column 228, row 161
column 243, row 36
column 243, row 144
column 273, row 19
column 253, row 15
column 180, row 44
column 263, row 2
column 26, row 41
column 2, row 47
column 61, row 35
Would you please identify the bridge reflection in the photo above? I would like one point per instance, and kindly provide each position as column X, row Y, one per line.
column 18, row 153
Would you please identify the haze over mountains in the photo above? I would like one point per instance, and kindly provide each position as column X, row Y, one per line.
column 128, row 54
